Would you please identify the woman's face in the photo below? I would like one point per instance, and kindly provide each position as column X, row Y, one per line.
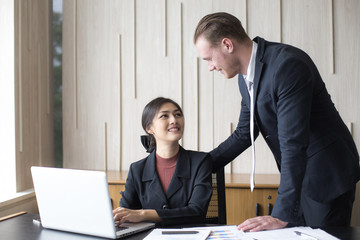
column 167, row 125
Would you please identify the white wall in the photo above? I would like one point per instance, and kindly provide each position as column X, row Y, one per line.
column 7, row 99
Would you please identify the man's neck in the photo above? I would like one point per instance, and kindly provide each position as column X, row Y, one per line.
column 244, row 54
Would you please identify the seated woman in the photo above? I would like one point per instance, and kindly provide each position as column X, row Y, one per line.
column 171, row 185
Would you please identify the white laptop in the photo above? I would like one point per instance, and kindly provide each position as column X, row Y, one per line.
column 78, row 201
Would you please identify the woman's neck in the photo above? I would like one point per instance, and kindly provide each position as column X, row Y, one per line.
column 167, row 150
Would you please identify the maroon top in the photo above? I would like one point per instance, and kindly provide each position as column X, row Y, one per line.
column 165, row 168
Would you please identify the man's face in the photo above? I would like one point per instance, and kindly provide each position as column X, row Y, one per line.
column 219, row 58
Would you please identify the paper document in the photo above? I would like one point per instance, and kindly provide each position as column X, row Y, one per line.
column 178, row 234
column 294, row 233
column 229, row 232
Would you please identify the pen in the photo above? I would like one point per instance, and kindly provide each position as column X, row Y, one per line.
column 305, row 235
column 179, row 232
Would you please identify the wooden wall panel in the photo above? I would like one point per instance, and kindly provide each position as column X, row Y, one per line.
column 177, row 74
column 33, row 89
column 264, row 19
column 118, row 55
column 196, row 83
column 306, row 24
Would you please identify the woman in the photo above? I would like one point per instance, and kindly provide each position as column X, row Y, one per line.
column 171, row 185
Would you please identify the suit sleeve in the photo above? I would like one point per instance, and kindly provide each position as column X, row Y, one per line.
column 294, row 90
column 236, row 143
column 196, row 209
column 130, row 197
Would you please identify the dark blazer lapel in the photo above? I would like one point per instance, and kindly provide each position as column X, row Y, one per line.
column 243, row 90
column 182, row 172
column 149, row 174
column 258, row 64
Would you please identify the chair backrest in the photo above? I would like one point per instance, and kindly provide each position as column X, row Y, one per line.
column 216, row 213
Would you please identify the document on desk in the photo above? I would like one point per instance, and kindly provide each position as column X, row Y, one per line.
column 178, row 234
column 229, row 232
column 294, row 233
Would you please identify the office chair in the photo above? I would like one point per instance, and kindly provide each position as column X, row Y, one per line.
column 216, row 213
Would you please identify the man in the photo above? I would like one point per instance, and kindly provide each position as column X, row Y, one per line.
column 313, row 149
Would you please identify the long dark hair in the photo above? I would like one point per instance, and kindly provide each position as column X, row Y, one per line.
column 148, row 115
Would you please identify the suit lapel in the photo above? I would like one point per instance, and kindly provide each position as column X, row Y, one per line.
column 150, row 174
column 258, row 66
column 243, row 90
column 174, row 186
column 258, row 71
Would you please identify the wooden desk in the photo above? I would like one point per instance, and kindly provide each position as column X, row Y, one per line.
column 241, row 203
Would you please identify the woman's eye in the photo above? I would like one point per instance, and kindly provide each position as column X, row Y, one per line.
column 163, row 116
column 178, row 115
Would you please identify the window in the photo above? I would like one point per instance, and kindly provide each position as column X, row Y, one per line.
column 8, row 98
column 57, row 80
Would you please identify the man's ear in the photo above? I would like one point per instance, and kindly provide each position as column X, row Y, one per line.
column 227, row 45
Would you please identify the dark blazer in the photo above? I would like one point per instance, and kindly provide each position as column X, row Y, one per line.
column 188, row 195
column 313, row 148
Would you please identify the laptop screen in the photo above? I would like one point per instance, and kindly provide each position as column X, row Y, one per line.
column 74, row 201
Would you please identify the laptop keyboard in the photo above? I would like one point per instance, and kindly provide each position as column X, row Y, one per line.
column 118, row 228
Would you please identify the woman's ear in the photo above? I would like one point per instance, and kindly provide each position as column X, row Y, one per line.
column 149, row 130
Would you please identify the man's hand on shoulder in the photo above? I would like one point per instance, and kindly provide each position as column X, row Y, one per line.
column 262, row 223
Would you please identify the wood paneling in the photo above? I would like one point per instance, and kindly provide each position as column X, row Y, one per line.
column 33, row 89
column 241, row 204
column 158, row 58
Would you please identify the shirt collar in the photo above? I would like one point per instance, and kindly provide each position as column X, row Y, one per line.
column 251, row 68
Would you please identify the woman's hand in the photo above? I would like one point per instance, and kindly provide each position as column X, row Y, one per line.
column 122, row 215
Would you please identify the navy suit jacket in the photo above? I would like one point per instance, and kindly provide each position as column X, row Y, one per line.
column 313, row 148
column 187, row 197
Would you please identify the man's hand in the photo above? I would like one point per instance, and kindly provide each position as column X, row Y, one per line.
column 261, row 223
